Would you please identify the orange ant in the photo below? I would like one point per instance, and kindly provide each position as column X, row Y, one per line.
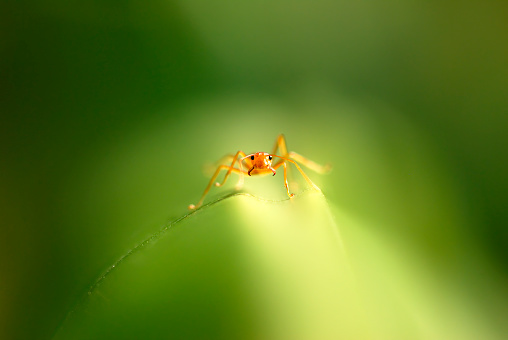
column 260, row 163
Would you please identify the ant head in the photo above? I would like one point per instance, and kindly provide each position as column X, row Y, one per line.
column 260, row 160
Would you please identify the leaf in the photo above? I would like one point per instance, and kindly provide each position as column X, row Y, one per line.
column 239, row 267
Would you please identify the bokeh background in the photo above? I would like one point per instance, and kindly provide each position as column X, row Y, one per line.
column 111, row 111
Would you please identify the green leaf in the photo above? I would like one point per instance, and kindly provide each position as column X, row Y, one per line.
column 239, row 267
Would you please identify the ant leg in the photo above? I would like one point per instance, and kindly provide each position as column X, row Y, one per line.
column 235, row 158
column 280, row 145
column 286, row 180
column 310, row 164
column 283, row 151
column 283, row 163
column 221, row 167
column 299, row 169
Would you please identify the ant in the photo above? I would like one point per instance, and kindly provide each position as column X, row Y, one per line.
column 261, row 163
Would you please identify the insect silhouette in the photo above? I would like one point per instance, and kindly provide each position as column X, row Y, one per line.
column 263, row 163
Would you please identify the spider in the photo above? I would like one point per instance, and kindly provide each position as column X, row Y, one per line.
column 262, row 163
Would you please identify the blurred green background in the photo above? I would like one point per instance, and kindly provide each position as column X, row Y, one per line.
column 110, row 111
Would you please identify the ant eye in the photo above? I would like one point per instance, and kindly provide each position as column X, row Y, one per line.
column 252, row 157
column 270, row 157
